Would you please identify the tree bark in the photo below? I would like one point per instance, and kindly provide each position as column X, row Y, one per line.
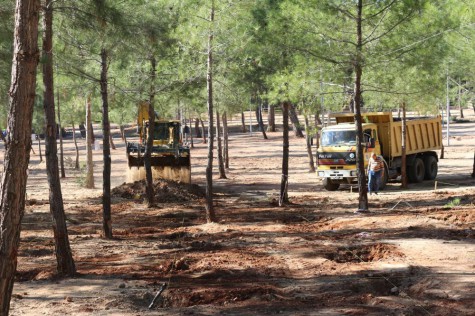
column 203, row 131
column 271, row 119
column 295, row 121
column 222, row 171
column 111, row 140
column 403, row 148
column 89, row 183
column 210, row 215
column 61, row 148
column 311, row 164
column 243, row 123
column 106, row 150
column 64, row 257
column 197, row 128
column 151, row 127
column 76, row 163
column 260, row 121
column 17, row 154
column 226, row 140
column 473, row 168
column 39, row 148
column 358, row 68
column 460, row 101
column 284, row 198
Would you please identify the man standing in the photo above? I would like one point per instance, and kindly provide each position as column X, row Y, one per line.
column 375, row 172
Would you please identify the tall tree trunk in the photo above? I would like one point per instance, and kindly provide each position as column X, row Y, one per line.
column 358, row 68
column 271, row 119
column 17, row 153
column 226, row 140
column 111, row 141
column 64, row 257
column 243, row 122
column 197, row 128
column 89, row 183
column 76, row 163
column 460, row 101
column 192, row 145
column 151, row 127
column 122, row 133
column 260, row 121
column 39, row 148
column 311, row 164
column 295, row 121
column 403, row 148
column 284, row 198
column 203, row 131
column 222, row 171
column 106, row 150
column 61, row 148
column 473, row 168
column 210, row 215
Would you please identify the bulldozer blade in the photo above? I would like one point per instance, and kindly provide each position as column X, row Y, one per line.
column 175, row 173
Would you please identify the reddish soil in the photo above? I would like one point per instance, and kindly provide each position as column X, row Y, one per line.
column 413, row 254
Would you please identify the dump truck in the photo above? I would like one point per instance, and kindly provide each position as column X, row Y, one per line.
column 170, row 159
column 382, row 134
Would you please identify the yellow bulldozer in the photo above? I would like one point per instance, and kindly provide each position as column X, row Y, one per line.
column 170, row 159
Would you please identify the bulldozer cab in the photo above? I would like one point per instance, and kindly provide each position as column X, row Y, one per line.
column 166, row 133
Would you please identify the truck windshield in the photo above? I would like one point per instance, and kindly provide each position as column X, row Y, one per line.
column 339, row 138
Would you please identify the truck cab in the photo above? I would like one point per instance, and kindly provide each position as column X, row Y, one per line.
column 336, row 155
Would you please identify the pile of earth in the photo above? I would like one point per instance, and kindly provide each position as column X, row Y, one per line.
column 166, row 191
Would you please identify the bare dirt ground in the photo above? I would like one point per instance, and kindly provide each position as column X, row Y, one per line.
column 414, row 254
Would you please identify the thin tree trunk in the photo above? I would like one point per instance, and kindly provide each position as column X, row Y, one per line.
column 192, row 145
column 460, row 101
column 151, row 127
column 295, row 121
column 311, row 163
column 106, row 150
column 76, row 164
column 260, row 120
column 403, row 148
column 210, row 215
column 61, row 148
column 64, row 257
column 197, row 128
column 39, row 148
column 226, row 140
column 243, row 123
column 17, row 153
column 122, row 133
column 222, row 171
column 89, row 182
column 111, row 141
column 203, row 131
column 473, row 168
column 358, row 68
column 284, row 198
column 442, row 151
column 271, row 119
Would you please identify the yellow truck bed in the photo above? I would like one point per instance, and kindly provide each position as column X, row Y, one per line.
column 422, row 134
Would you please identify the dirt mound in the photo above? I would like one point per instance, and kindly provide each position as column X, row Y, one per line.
column 166, row 191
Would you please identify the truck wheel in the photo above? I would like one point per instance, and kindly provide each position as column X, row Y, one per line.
column 431, row 168
column 329, row 185
column 415, row 173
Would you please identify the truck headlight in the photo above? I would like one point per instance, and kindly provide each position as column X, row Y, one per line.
column 321, row 173
column 353, row 173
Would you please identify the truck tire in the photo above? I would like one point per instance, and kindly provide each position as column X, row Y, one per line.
column 416, row 171
column 431, row 167
column 329, row 185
